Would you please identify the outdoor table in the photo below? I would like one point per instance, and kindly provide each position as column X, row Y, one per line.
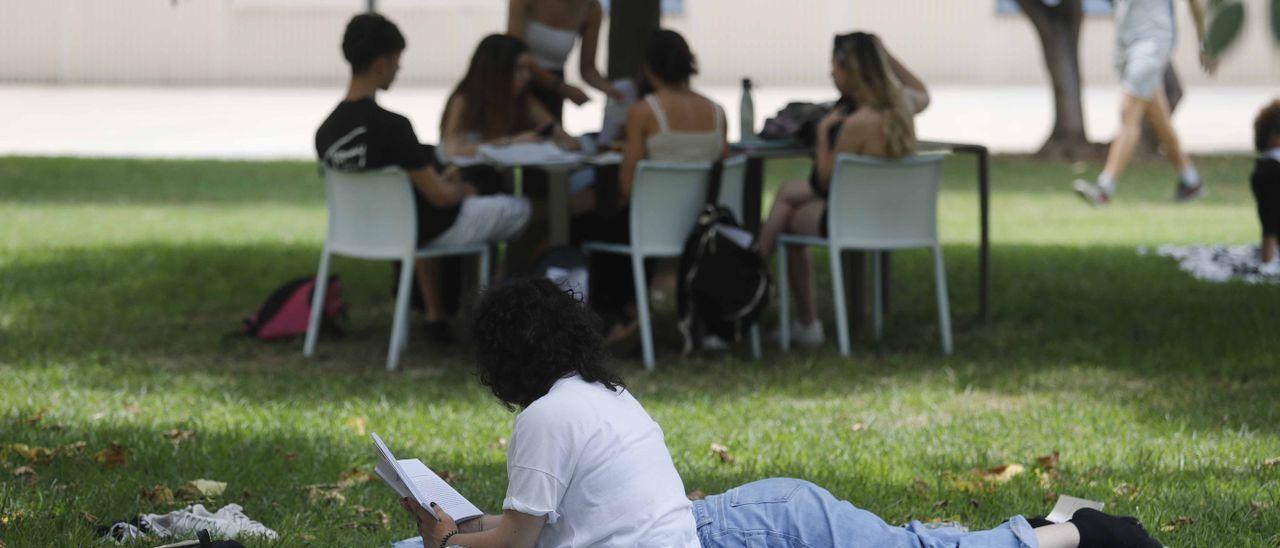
column 855, row 262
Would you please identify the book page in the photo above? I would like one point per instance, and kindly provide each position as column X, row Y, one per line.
column 521, row 154
column 1067, row 506
column 430, row 487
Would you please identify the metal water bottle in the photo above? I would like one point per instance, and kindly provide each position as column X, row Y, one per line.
column 747, row 113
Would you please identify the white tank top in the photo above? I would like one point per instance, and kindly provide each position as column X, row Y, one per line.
column 684, row 146
column 550, row 46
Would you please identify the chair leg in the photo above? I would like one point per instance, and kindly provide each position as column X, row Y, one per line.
column 756, row 352
column 400, row 323
column 484, row 268
column 877, row 311
column 944, row 308
column 837, row 291
column 642, row 307
column 784, row 300
column 317, row 305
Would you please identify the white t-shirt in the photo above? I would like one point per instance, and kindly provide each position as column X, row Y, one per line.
column 597, row 466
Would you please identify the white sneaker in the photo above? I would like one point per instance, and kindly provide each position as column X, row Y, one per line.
column 712, row 343
column 810, row 336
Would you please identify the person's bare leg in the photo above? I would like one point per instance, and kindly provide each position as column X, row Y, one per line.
column 1132, row 110
column 1159, row 116
column 428, row 275
column 791, row 196
column 1058, row 535
column 806, row 220
column 1269, row 247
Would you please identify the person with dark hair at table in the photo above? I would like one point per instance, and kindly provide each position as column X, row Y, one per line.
column 359, row 135
column 1265, row 180
column 588, row 466
column 673, row 123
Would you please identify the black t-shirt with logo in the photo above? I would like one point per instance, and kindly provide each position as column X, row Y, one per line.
column 360, row 135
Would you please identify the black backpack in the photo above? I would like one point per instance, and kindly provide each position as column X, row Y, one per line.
column 724, row 284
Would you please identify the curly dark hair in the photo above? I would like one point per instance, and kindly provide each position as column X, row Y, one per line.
column 368, row 37
column 668, row 57
column 1266, row 126
column 530, row 333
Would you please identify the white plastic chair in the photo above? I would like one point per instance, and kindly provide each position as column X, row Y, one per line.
column 372, row 216
column 875, row 205
column 666, row 199
column 733, row 182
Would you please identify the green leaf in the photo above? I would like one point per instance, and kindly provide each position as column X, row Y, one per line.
column 1224, row 27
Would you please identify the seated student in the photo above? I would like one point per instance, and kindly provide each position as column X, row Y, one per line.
column 493, row 104
column 587, row 466
column 887, row 95
column 1265, row 180
column 673, row 123
column 360, row 135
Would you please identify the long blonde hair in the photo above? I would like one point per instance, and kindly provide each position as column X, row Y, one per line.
column 876, row 88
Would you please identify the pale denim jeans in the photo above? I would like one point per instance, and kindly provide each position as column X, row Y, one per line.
column 791, row 513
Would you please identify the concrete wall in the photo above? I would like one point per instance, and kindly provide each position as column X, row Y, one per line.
column 779, row 43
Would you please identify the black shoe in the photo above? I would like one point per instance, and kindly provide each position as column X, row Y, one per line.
column 1189, row 193
column 438, row 333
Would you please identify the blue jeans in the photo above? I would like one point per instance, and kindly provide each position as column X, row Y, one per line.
column 782, row 512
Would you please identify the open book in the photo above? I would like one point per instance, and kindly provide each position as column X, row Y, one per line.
column 411, row 478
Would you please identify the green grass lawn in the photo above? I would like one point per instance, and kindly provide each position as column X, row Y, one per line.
column 121, row 280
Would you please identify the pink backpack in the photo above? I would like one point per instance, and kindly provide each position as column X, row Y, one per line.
column 288, row 309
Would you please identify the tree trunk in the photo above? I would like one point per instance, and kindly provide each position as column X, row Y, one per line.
column 1059, row 30
column 630, row 24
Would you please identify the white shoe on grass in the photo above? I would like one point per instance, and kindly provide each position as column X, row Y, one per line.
column 803, row 336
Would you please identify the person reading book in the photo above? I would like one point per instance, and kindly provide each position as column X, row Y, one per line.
column 587, row 466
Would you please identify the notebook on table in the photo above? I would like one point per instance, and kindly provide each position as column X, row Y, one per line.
column 412, row 478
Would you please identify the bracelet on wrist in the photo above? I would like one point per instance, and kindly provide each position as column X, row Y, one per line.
column 444, row 541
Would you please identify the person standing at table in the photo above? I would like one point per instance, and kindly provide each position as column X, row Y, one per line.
column 551, row 28
column 673, row 123
column 887, row 96
column 1145, row 35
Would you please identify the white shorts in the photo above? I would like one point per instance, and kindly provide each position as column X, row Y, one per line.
column 486, row 219
column 1141, row 66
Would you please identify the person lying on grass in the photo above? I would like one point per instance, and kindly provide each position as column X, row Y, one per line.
column 587, row 466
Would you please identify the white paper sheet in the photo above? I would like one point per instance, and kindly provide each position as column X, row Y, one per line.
column 1066, row 506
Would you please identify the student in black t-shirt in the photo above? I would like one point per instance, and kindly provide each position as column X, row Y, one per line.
column 1265, row 180
column 360, row 135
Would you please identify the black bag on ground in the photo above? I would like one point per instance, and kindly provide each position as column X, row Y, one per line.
column 724, row 285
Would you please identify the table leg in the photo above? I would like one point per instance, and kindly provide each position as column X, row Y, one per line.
column 753, row 195
column 855, row 289
column 558, row 207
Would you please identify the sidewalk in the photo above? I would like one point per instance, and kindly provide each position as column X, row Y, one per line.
column 261, row 123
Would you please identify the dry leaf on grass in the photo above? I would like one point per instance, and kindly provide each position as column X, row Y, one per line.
column 1177, row 523
column 325, row 494
column 500, row 443
column 34, row 455
column 288, row 456
column 246, row 494
column 1257, row 507
column 919, row 486
column 1271, row 462
column 1127, row 490
column 201, row 488
column 89, row 517
column 858, row 427
column 451, row 477
column 34, row 419
column 697, row 495
column 10, row 518
column 722, row 452
column 1000, row 474
column 114, row 455
column 179, row 436
column 130, row 407
column 307, row 537
column 375, row 518
column 358, row 424
column 1048, row 462
column 354, row 476
column 23, row 471
column 158, row 494
column 71, row 448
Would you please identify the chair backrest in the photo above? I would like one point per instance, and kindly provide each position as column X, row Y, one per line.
column 733, row 180
column 371, row 214
column 666, row 199
column 877, row 203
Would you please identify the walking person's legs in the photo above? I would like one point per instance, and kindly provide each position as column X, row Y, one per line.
column 1132, row 111
column 1161, row 121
